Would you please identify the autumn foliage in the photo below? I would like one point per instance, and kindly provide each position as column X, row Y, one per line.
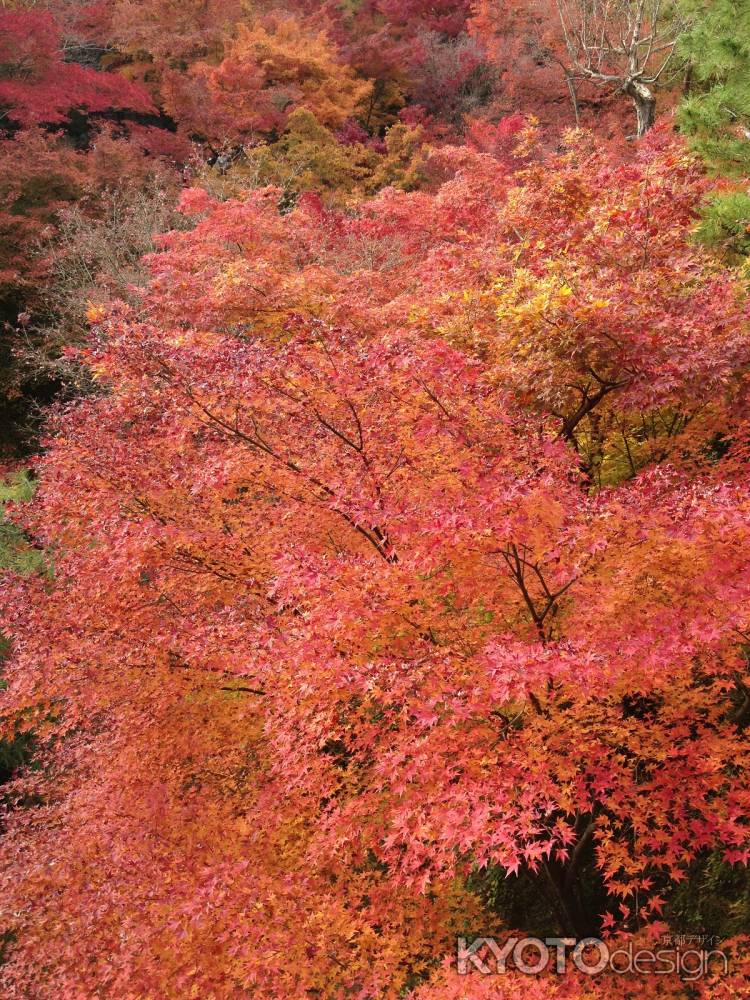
column 267, row 73
column 38, row 86
column 401, row 554
column 387, row 577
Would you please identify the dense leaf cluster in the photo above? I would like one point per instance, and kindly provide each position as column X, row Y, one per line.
column 384, row 573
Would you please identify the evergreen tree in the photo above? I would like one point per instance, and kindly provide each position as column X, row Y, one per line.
column 716, row 110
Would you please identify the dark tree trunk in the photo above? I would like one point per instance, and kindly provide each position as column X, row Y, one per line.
column 645, row 105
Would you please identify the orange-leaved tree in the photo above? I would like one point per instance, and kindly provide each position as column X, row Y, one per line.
column 266, row 72
column 342, row 620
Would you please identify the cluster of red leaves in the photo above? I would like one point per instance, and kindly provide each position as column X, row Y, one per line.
column 398, row 547
column 42, row 170
column 38, row 86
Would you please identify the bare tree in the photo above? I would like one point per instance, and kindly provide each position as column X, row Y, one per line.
column 623, row 44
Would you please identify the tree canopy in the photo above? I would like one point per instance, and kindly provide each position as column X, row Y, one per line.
column 375, row 528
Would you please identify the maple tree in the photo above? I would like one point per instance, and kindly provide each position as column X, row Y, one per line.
column 38, row 86
column 268, row 71
column 367, row 590
column 383, row 576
